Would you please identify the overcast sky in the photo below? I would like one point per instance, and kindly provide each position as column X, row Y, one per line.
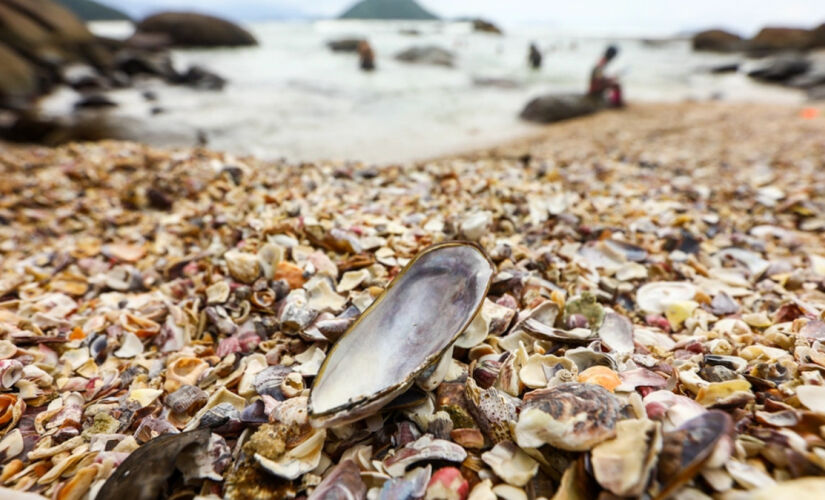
column 620, row 16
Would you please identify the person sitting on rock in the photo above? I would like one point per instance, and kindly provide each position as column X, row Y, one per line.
column 604, row 87
column 366, row 56
column 534, row 57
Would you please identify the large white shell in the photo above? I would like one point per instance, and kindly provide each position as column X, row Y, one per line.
column 655, row 297
column 404, row 331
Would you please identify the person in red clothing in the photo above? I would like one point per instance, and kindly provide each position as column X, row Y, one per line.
column 605, row 87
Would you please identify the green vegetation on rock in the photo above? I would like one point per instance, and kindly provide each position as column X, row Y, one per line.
column 89, row 10
column 388, row 9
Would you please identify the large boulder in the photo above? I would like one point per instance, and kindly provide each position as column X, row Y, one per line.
column 37, row 39
column 429, row 54
column 556, row 107
column 19, row 80
column 781, row 68
column 717, row 41
column 42, row 31
column 817, row 40
column 345, row 44
column 187, row 29
column 485, row 26
column 773, row 39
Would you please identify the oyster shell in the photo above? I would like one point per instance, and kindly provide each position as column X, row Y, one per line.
column 403, row 332
column 569, row 416
column 623, row 465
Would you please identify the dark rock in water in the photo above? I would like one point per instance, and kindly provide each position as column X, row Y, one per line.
column 345, row 44
column 94, row 101
column 817, row 93
column 813, row 78
column 83, row 77
column 772, row 39
column 201, row 78
column 781, row 68
column 725, row 68
column 429, row 54
column 149, row 41
column 143, row 63
column 717, row 41
column 188, row 29
column 556, row 107
column 502, row 83
column 485, row 26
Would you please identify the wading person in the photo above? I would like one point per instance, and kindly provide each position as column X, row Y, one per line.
column 605, row 87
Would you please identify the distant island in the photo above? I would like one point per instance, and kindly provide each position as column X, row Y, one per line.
column 89, row 10
column 388, row 9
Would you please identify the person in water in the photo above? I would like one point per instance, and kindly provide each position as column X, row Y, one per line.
column 366, row 56
column 605, row 87
column 534, row 57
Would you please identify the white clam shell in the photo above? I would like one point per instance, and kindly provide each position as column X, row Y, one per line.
column 403, row 332
column 654, row 297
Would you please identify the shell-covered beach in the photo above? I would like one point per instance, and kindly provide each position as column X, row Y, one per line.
column 653, row 328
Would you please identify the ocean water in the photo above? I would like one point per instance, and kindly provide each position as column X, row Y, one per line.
column 292, row 97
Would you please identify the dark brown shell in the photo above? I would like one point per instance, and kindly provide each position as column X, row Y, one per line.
column 142, row 475
column 688, row 447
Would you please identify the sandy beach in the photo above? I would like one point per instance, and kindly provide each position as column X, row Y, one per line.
column 667, row 259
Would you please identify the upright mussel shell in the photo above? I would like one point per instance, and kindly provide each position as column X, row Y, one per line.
column 405, row 330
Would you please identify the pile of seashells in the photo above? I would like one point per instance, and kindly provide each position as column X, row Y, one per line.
column 552, row 320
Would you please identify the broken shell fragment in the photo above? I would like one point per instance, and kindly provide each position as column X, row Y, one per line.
column 297, row 461
column 729, row 393
column 616, row 333
column 130, row 346
column 570, row 416
column 686, row 449
column 184, row 371
column 813, row 397
column 600, row 375
column 217, row 293
column 244, row 267
column 510, row 463
column 11, row 371
column 409, row 323
column 447, row 483
column 623, row 465
column 423, row 449
column 344, row 482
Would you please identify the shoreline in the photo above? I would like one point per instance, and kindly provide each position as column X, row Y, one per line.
column 669, row 258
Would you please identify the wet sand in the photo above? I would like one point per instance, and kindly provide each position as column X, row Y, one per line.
column 127, row 273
